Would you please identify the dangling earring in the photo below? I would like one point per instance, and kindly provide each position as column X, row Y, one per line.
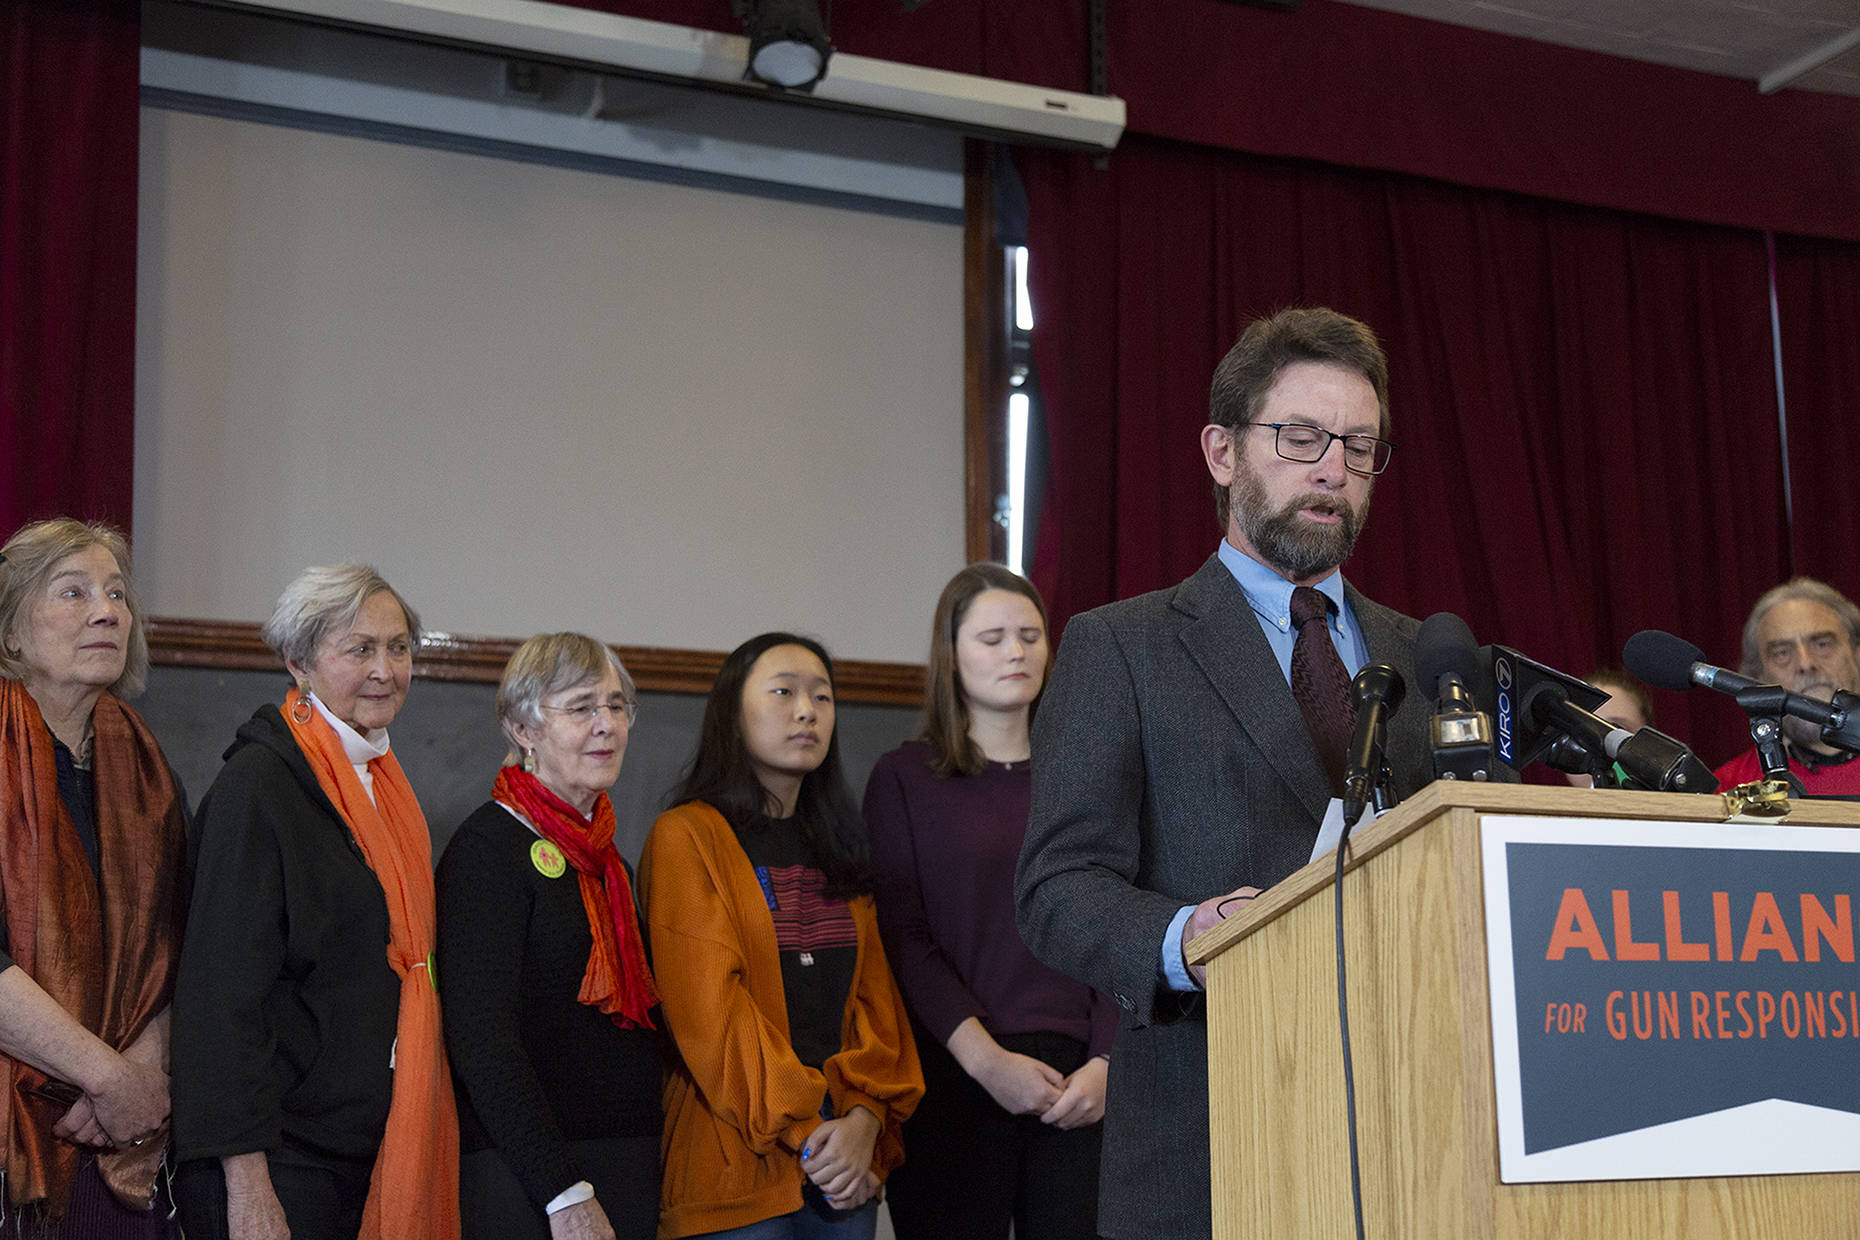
column 529, row 761
column 301, row 710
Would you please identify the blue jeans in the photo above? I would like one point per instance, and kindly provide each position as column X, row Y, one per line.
column 810, row 1222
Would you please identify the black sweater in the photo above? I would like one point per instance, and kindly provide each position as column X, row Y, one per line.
column 285, row 1009
column 535, row 1068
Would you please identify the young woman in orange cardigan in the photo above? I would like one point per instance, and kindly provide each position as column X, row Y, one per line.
column 796, row 1061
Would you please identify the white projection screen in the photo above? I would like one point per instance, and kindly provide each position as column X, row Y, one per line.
column 539, row 397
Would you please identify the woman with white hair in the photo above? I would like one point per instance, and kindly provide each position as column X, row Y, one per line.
column 549, row 1001
column 92, row 831
column 311, row 1093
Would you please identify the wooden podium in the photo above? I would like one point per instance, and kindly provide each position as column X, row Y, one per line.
column 1422, row 1052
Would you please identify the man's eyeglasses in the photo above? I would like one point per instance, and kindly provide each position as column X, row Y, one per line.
column 584, row 713
column 1295, row 441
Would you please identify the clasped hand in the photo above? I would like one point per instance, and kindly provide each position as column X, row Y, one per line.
column 127, row 1110
column 838, row 1159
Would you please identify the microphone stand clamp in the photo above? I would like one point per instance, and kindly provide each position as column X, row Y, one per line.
column 1768, row 797
column 1764, row 705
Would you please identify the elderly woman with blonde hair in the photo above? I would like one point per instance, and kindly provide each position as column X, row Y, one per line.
column 312, row 1096
column 92, row 831
column 549, row 999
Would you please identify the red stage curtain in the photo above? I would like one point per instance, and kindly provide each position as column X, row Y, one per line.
column 68, row 167
column 1583, row 400
column 1367, row 88
column 1818, row 308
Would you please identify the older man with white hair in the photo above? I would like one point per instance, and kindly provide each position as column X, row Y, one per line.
column 1805, row 636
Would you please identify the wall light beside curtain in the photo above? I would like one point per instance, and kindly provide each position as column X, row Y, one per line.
column 1020, row 412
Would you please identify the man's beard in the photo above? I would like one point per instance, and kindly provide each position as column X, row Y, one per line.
column 1801, row 732
column 1298, row 548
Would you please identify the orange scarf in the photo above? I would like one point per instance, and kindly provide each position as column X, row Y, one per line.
column 414, row 1193
column 110, row 967
column 617, row 980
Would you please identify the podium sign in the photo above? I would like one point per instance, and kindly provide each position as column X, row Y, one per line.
column 1672, row 999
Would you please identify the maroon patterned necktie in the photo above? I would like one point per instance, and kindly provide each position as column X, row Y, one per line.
column 1320, row 683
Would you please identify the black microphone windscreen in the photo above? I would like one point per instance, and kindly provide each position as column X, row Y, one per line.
column 1444, row 644
column 1379, row 682
column 1660, row 659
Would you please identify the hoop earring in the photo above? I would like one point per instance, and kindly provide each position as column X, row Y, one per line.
column 529, row 761
column 301, row 710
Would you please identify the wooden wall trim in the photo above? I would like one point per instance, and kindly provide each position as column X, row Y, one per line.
column 236, row 645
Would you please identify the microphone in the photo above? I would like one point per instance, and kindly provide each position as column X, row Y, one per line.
column 1378, row 690
column 1548, row 704
column 1538, row 706
column 1446, row 657
column 1569, row 755
column 1517, row 679
column 1648, row 757
column 1670, row 662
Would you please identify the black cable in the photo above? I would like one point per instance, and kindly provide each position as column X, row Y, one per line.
column 1343, row 1022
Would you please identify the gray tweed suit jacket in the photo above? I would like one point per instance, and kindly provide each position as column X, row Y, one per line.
column 1172, row 764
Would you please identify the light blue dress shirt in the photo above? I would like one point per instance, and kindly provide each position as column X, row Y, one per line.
column 1270, row 596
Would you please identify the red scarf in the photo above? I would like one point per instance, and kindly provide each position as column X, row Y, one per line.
column 617, row 981
column 107, row 957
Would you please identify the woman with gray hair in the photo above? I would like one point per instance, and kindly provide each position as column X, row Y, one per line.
column 312, row 1096
column 548, row 996
column 92, row 831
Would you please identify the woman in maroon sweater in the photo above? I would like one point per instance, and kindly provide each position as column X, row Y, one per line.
column 1013, row 1052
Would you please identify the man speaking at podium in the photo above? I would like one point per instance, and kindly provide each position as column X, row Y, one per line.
column 1191, row 740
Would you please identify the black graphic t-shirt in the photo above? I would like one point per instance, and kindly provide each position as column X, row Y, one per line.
column 818, row 941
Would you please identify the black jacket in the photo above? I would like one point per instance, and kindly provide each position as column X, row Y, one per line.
column 285, row 1009
column 535, row 1068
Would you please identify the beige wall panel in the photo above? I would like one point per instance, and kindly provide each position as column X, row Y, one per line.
column 538, row 397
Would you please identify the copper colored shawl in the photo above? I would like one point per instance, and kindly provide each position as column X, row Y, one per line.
column 414, row 1193
column 110, row 963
